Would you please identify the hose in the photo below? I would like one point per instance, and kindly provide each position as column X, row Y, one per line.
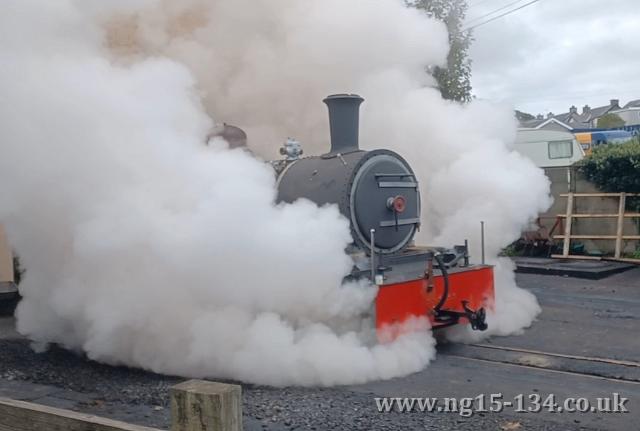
column 445, row 276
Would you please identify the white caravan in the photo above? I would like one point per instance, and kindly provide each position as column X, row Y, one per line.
column 547, row 148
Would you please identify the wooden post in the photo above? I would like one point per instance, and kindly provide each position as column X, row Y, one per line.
column 567, row 226
column 198, row 405
column 6, row 259
column 620, row 230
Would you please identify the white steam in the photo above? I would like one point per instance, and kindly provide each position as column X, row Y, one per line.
column 145, row 247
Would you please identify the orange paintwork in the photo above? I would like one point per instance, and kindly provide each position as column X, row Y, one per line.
column 585, row 142
column 396, row 303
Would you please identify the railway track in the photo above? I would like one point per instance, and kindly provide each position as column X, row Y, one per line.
column 622, row 371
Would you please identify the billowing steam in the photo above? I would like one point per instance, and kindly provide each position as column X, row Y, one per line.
column 145, row 247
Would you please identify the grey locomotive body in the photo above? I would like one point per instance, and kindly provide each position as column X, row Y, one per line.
column 379, row 193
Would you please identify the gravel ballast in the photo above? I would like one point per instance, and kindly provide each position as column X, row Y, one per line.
column 142, row 397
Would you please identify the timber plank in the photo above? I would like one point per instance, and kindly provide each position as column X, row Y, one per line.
column 24, row 416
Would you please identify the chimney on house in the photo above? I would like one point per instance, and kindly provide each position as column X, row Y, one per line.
column 615, row 103
column 573, row 110
column 586, row 109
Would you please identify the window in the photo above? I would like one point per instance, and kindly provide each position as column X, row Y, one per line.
column 560, row 149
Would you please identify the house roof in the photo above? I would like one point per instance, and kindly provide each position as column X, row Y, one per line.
column 600, row 111
column 577, row 120
column 633, row 104
column 532, row 124
column 539, row 124
column 573, row 120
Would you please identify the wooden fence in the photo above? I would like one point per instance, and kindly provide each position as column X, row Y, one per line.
column 620, row 216
column 195, row 405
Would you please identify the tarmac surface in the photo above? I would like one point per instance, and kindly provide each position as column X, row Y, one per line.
column 584, row 344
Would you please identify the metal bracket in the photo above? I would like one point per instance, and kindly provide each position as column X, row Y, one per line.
column 477, row 318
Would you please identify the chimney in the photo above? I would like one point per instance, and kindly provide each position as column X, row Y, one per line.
column 573, row 110
column 615, row 103
column 586, row 109
column 344, row 121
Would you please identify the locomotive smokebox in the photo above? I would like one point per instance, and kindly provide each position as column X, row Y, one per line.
column 373, row 189
column 344, row 122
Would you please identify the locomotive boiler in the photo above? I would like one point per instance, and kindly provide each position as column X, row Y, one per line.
column 379, row 193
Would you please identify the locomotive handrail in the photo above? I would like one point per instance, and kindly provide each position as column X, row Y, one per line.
column 397, row 185
column 394, row 175
column 399, row 222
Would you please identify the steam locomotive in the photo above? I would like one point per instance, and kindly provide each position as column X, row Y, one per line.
column 378, row 192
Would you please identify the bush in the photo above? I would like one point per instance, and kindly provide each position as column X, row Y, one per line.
column 614, row 168
column 610, row 121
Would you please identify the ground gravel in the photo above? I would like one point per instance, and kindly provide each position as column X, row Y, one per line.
column 143, row 398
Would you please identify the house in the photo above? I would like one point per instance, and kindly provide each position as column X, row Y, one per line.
column 574, row 119
column 587, row 119
column 630, row 113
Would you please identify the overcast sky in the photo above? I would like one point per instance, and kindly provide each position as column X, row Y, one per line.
column 557, row 53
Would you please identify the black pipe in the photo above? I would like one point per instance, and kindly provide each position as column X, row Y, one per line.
column 344, row 122
column 466, row 253
column 445, row 276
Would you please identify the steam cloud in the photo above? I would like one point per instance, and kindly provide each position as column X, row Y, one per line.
column 145, row 247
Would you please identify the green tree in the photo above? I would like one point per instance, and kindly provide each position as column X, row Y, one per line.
column 610, row 121
column 614, row 168
column 454, row 80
